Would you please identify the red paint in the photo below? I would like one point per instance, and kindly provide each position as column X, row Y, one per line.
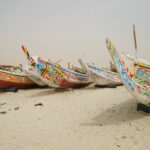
column 7, row 84
column 68, row 84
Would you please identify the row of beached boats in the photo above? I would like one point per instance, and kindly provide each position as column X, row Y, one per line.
column 40, row 72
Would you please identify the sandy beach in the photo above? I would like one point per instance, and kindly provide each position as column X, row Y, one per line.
column 83, row 119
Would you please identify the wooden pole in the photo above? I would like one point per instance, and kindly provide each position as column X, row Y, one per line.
column 69, row 65
column 135, row 43
column 82, row 64
column 58, row 61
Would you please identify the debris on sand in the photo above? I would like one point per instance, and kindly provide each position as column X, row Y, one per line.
column 3, row 103
column 16, row 108
column 38, row 104
column 3, row 112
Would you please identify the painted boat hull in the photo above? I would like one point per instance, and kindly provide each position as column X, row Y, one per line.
column 7, row 84
column 58, row 77
column 9, row 80
column 30, row 72
column 142, row 72
column 139, row 88
column 103, row 77
column 69, row 84
column 139, row 67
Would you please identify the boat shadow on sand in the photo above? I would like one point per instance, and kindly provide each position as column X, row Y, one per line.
column 51, row 91
column 121, row 113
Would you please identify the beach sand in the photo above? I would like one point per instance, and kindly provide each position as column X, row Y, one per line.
column 80, row 119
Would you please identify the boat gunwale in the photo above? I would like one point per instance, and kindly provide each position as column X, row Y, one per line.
column 108, row 71
column 66, row 70
column 13, row 73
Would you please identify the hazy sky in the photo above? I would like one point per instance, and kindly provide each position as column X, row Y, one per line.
column 72, row 29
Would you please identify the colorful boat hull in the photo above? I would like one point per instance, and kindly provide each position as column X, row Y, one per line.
column 103, row 77
column 31, row 73
column 139, row 67
column 139, row 88
column 142, row 72
column 56, row 76
column 10, row 80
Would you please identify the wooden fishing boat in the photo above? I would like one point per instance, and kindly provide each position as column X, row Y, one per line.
column 103, row 77
column 138, row 87
column 142, row 72
column 13, row 77
column 31, row 73
column 56, row 76
column 140, row 67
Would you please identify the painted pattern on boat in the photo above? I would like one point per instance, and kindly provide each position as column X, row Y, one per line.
column 55, row 76
column 103, row 77
column 19, row 80
column 142, row 72
column 138, row 87
column 31, row 73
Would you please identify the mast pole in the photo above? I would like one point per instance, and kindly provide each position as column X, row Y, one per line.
column 135, row 43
